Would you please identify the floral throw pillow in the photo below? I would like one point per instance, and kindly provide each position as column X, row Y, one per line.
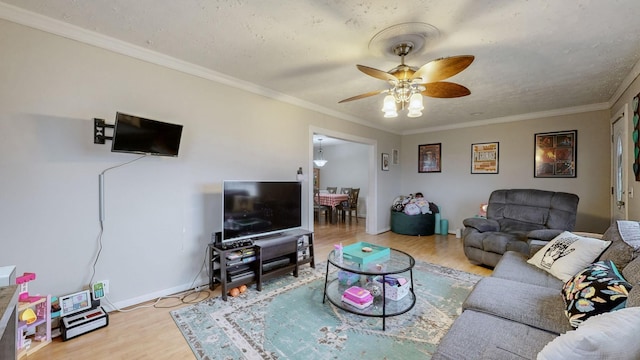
column 597, row 289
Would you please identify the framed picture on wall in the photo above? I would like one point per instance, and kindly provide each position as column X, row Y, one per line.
column 429, row 158
column 484, row 158
column 395, row 157
column 556, row 154
column 385, row 162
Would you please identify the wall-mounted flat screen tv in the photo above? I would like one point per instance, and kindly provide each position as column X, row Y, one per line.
column 134, row 134
column 258, row 208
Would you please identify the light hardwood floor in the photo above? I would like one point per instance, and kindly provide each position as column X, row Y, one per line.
column 150, row 333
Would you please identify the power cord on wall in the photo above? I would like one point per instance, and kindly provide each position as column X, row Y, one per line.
column 183, row 296
column 101, row 211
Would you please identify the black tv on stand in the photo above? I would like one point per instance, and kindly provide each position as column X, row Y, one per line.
column 254, row 209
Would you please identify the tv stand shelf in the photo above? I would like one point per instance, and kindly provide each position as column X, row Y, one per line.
column 230, row 271
column 267, row 258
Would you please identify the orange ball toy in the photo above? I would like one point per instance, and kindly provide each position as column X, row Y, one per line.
column 242, row 288
column 234, row 292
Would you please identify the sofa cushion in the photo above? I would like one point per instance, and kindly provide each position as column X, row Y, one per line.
column 514, row 266
column 532, row 305
column 634, row 297
column 567, row 254
column 597, row 289
column 558, row 209
column 614, row 335
column 544, row 234
column 511, row 225
column 631, row 272
column 562, row 211
column 499, row 243
column 482, row 224
column 527, row 214
column 476, row 335
column 619, row 251
column 478, row 256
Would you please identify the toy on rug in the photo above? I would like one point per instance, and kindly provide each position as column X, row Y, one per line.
column 234, row 292
column 242, row 288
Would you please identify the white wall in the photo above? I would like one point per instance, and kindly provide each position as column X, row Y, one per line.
column 347, row 167
column 460, row 193
column 160, row 212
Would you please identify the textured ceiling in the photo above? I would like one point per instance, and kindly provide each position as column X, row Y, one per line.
column 531, row 56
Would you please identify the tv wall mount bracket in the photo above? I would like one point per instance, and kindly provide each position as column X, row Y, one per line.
column 99, row 128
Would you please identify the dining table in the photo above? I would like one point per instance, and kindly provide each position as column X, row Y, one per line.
column 332, row 200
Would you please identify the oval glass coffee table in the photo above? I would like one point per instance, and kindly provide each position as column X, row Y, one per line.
column 398, row 262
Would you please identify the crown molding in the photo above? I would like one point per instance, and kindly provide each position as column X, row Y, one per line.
column 61, row 28
column 628, row 80
column 514, row 118
column 69, row 31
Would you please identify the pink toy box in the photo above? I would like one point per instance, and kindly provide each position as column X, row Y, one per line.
column 357, row 297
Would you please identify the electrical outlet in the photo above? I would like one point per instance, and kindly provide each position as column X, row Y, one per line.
column 105, row 283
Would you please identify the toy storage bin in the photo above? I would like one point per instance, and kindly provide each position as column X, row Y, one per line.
column 395, row 293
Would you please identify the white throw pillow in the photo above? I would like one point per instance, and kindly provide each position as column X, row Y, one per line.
column 613, row 335
column 567, row 254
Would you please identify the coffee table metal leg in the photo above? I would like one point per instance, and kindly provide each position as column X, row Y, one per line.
column 384, row 303
column 411, row 276
column 326, row 279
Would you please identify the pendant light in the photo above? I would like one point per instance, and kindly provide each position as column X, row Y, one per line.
column 320, row 162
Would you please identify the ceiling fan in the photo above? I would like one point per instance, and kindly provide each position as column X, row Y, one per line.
column 409, row 83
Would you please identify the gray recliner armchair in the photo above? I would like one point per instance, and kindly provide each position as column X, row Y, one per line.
column 514, row 218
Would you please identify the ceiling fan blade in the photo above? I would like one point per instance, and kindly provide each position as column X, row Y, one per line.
column 378, row 74
column 444, row 68
column 443, row 89
column 362, row 96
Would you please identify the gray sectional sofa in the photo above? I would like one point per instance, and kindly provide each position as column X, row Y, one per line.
column 516, row 311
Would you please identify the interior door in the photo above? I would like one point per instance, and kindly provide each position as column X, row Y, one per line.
column 620, row 166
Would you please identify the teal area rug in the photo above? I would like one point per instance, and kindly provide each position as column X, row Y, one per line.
column 287, row 320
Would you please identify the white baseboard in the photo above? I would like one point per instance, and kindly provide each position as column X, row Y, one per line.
column 388, row 228
column 148, row 297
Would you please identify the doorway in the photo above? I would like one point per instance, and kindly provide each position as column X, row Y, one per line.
column 620, row 165
column 368, row 157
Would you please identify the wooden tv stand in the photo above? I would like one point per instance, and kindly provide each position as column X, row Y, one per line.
column 267, row 258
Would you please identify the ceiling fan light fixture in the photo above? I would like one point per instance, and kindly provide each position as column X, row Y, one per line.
column 389, row 107
column 391, row 114
column 414, row 113
column 415, row 103
column 389, row 103
column 409, row 83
